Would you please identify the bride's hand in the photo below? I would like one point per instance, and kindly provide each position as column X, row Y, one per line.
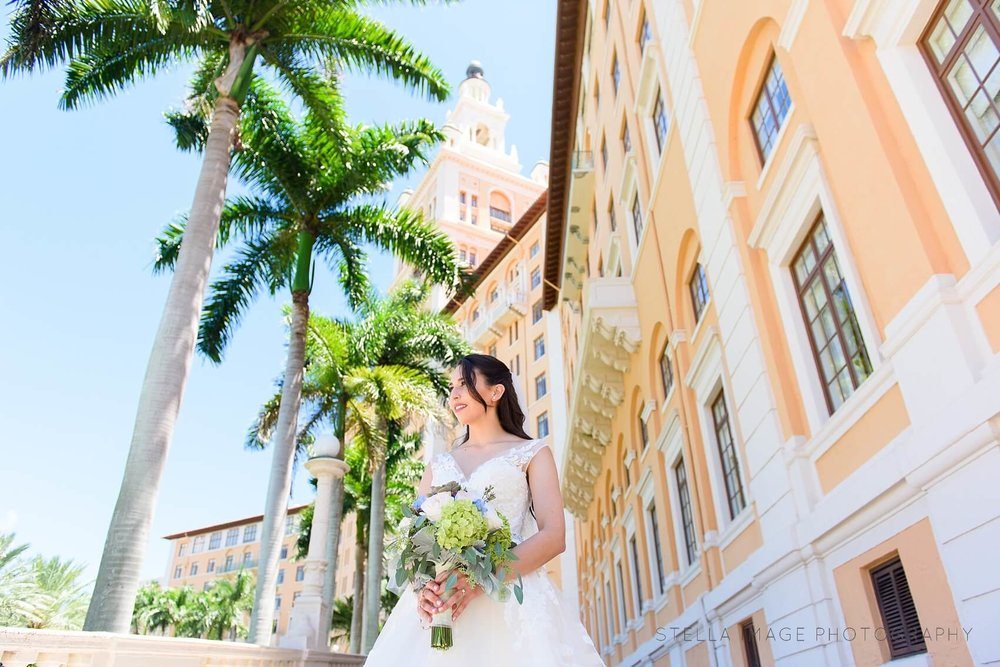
column 427, row 601
column 463, row 592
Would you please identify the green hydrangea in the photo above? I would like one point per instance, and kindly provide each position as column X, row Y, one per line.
column 461, row 525
column 501, row 537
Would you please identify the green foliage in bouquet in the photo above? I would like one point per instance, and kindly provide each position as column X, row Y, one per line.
column 461, row 525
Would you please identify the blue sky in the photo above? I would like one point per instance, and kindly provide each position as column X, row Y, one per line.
column 84, row 193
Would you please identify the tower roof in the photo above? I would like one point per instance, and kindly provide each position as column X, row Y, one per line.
column 474, row 70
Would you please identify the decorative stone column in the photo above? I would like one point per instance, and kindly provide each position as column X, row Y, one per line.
column 303, row 628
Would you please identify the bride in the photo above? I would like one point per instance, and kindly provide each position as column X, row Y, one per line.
column 541, row 631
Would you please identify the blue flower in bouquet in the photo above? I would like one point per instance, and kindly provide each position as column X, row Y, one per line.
column 419, row 501
column 480, row 505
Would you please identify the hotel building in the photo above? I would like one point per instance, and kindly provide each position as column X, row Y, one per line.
column 772, row 253
column 201, row 556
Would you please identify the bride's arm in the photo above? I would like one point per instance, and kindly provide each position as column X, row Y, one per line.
column 550, row 540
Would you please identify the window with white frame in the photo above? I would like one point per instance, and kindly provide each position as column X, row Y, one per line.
column 281, row 576
column 643, row 429
column 228, row 566
column 211, row 565
column 540, row 386
column 291, row 524
column 250, row 533
column 536, row 312
column 178, row 572
column 247, row 558
column 698, row 287
column 181, row 549
column 653, row 530
column 831, row 323
column 539, row 347
column 636, row 217
column 633, row 546
column 622, row 604
column 543, row 425
column 215, row 541
column 194, row 569
column 536, row 277
column 198, row 545
column 300, row 573
column 686, row 511
column 770, row 109
column 732, row 483
column 666, row 370
column 535, row 249
column 661, row 122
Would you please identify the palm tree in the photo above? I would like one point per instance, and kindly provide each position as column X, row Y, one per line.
column 109, row 45
column 230, row 600
column 60, row 597
column 16, row 585
column 311, row 195
column 406, row 348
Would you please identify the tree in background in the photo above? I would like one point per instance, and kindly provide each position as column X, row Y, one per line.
column 109, row 45
column 38, row 592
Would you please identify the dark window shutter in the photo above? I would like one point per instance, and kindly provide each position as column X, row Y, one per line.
column 899, row 614
column 750, row 643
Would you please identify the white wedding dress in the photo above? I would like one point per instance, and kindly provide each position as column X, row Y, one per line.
column 541, row 632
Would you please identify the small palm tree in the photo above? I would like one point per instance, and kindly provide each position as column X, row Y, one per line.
column 60, row 597
column 108, row 46
column 311, row 193
column 16, row 585
column 230, row 599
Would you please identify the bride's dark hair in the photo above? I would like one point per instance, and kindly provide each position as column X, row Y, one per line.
column 495, row 372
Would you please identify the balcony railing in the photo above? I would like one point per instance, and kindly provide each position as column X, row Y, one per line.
column 499, row 214
column 20, row 647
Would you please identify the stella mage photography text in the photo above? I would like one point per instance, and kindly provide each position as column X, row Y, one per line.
column 803, row 633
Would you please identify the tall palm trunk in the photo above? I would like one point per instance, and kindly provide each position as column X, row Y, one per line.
column 332, row 549
column 280, row 483
column 357, row 613
column 167, row 371
column 373, row 577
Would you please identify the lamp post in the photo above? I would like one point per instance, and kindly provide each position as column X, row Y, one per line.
column 304, row 631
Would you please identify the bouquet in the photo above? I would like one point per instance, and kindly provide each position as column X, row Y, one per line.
column 452, row 528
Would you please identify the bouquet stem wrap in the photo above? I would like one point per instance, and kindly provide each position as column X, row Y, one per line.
column 441, row 622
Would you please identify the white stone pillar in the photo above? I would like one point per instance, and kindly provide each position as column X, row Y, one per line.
column 303, row 628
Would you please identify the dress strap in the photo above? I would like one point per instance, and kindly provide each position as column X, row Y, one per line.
column 522, row 455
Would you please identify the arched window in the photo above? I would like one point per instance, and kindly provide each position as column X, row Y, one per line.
column 482, row 135
column 500, row 207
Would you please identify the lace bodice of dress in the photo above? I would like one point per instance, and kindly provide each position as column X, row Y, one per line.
column 506, row 473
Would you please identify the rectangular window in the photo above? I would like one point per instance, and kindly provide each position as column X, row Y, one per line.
column 211, row 565
column 475, row 201
column 281, row 576
column 540, row 388
column 499, row 214
column 660, row 122
column 228, row 565
column 654, row 531
column 535, row 249
column 290, row 524
column 699, row 291
column 609, row 603
column 247, row 559
column 284, row 552
column 461, row 197
column 250, row 533
column 543, row 425
column 622, row 609
column 215, row 541
column 727, row 455
column 181, row 549
column 536, row 313
column 462, row 254
column 472, row 254
column 826, row 305
column 749, row 633
column 643, row 432
column 687, row 517
column 536, row 277
column 962, row 48
column 637, row 579
column 626, row 138
column 300, row 573
column 194, row 570
column 205, row 586
column 770, row 109
column 616, row 72
column 277, row 602
column 666, row 371
column 645, row 33
column 198, row 545
column 902, row 626
column 539, row 347
column 494, row 294
column 611, row 215
column 178, row 572
column 604, row 153
column 636, row 217
column 517, row 364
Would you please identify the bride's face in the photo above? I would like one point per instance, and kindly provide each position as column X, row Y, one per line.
column 465, row 406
